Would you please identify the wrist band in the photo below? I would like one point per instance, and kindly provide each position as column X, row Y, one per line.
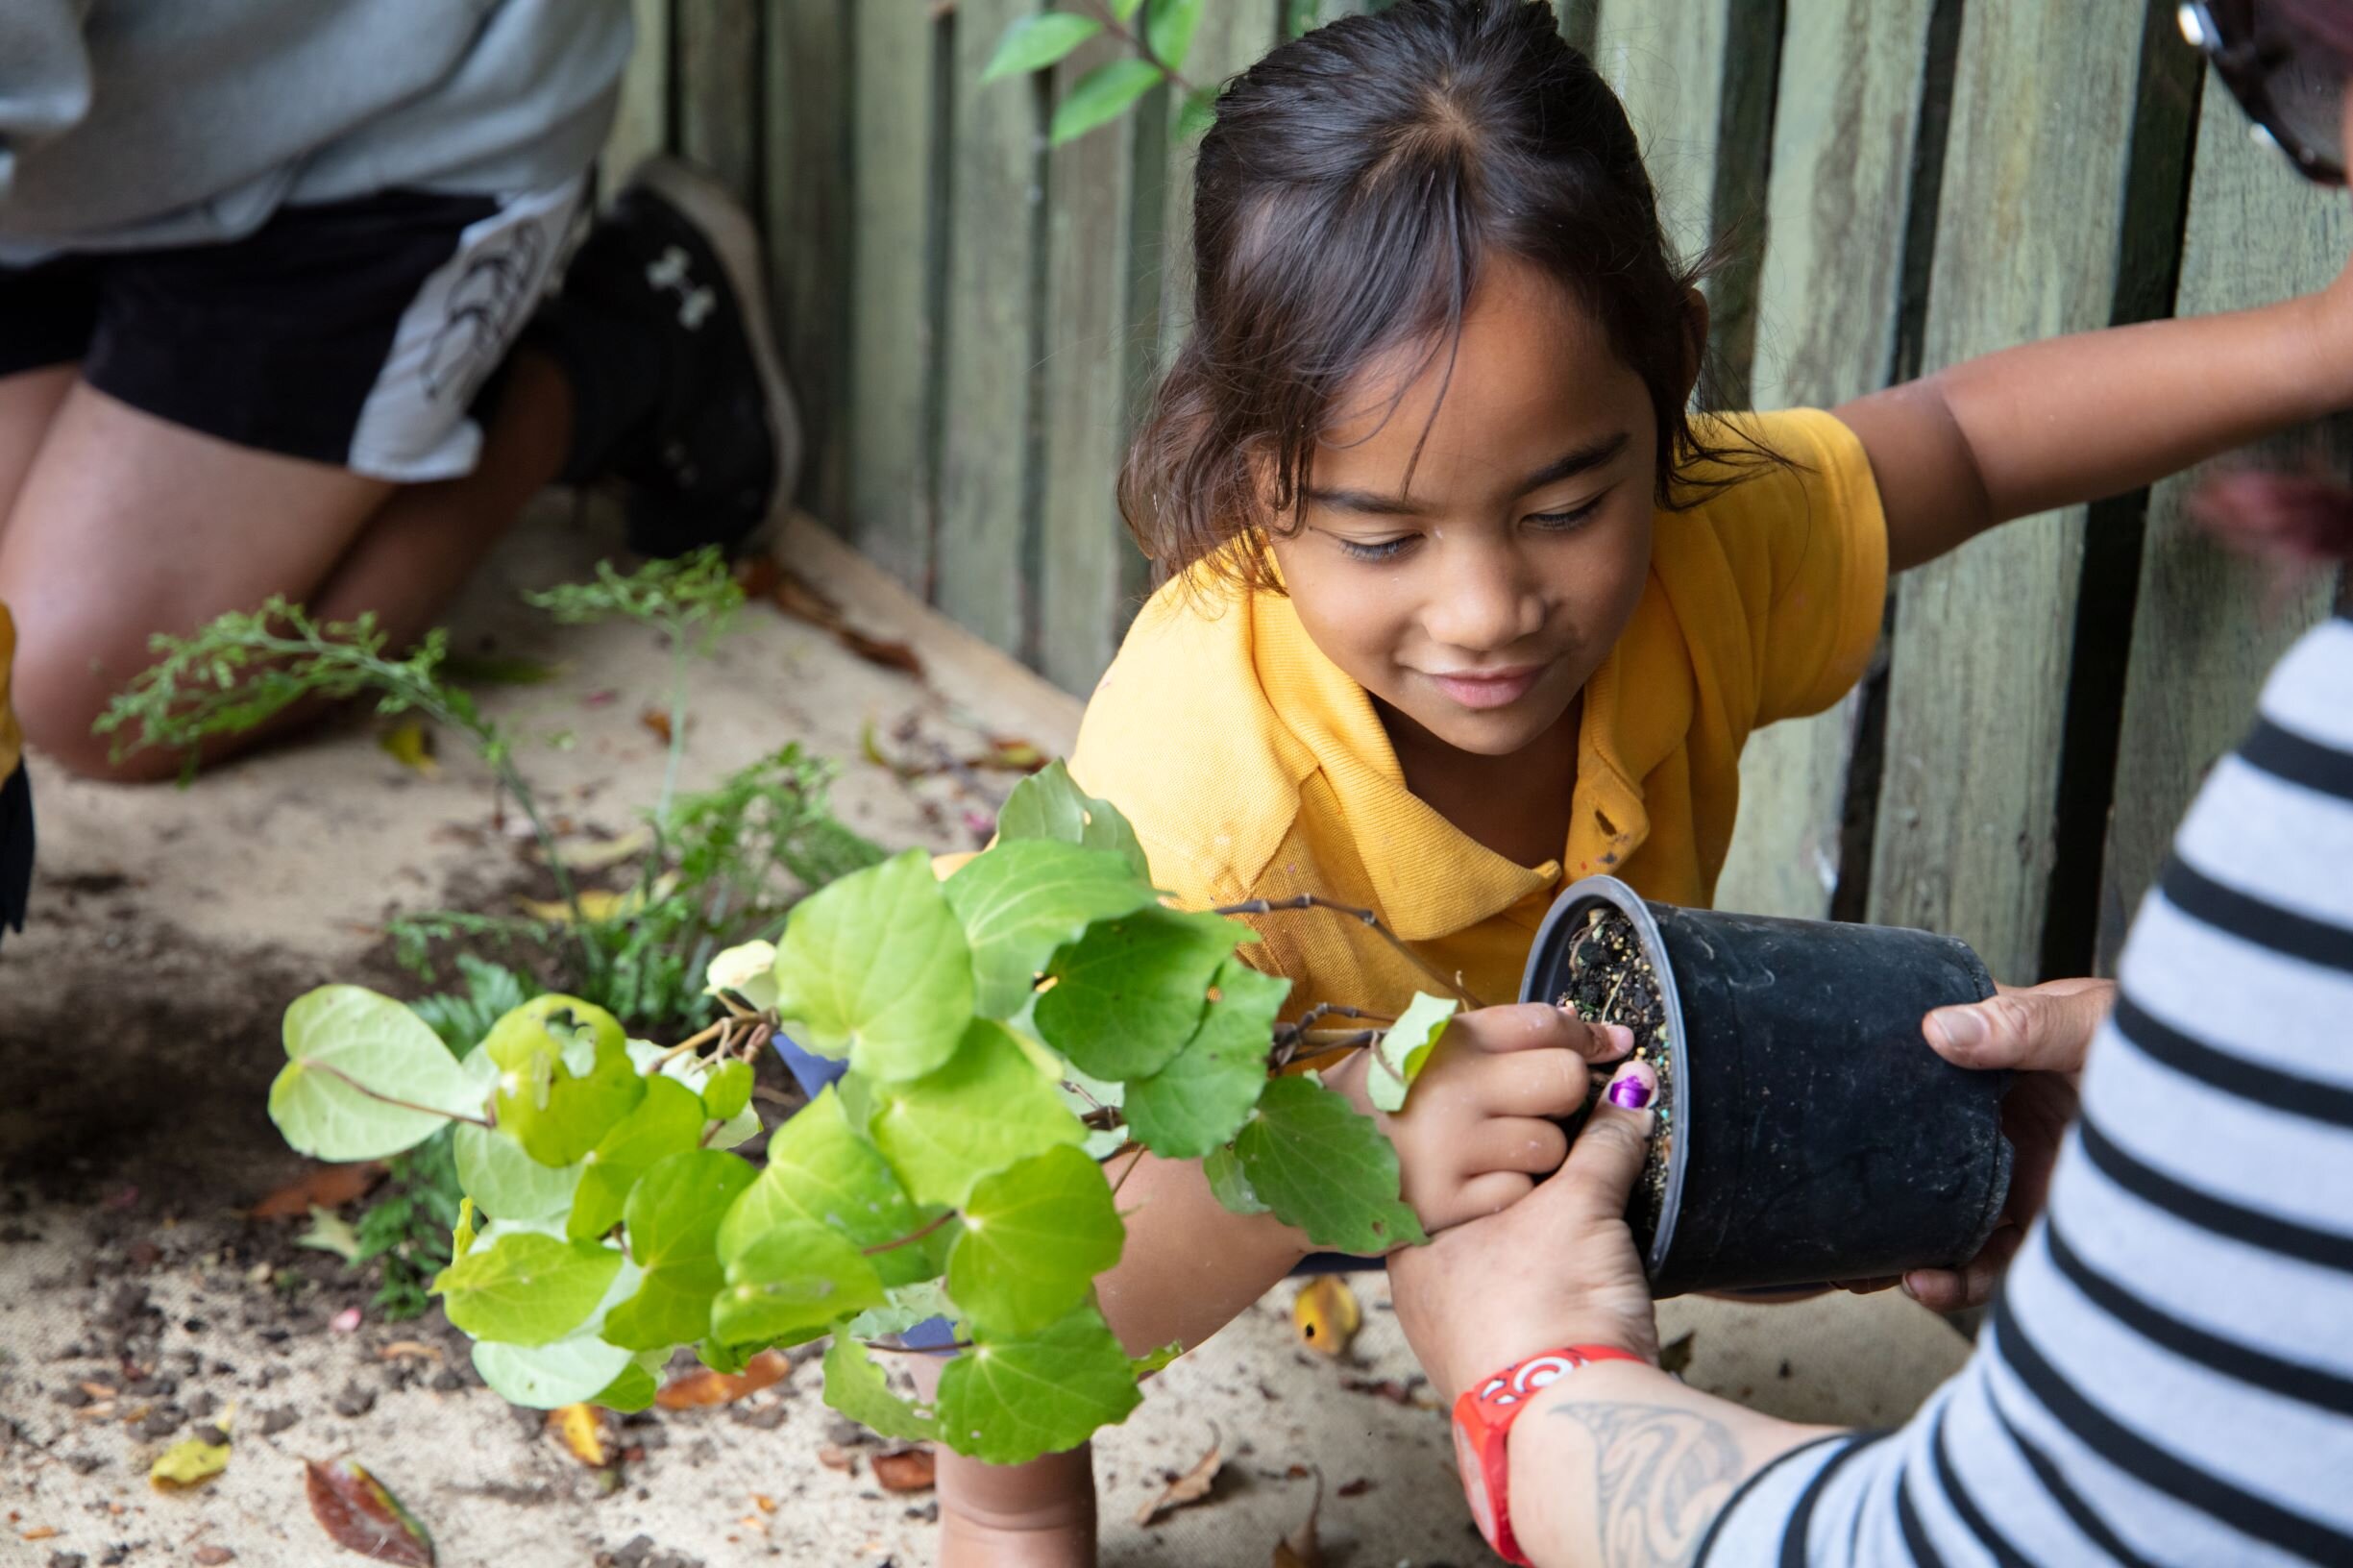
column 1483, row 1422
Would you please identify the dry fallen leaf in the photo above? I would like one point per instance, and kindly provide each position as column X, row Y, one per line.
column 1676, row 1354
column 41, row 1532
column 322, row 1187
column 1190, row 1487
column 359, row 1515
column 596, row 855
column 213, row 1557
column 1012, row 756
column 704, row 1387
column 412, row 1350
column 834, row 1457
column 906, row 1470
column 411, row 745
column 1326, row 1315
column 583, row 1432
column 802, row 603
column 657, row 721
column 597, row 905
column 1301, row 1549
column 190, row 1463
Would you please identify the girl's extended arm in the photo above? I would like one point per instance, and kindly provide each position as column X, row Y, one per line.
column 2072, row 419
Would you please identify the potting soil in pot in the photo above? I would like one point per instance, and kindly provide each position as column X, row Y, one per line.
column 1611, row 980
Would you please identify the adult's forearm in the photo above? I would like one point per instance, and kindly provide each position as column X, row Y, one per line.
column 1190, row 1265
column 1619, row 1464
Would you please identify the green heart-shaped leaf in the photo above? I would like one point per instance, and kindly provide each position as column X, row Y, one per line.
column 1204, row 1094
column 343, row 1042
column 526, row 1289
column 508, row 1183
column 1128, row 994
column 1099, row 97
column 1036, row 41
column 1022, row 901
column 672, row 1218
column 990, row 1106
column 1228, row 1184
column 668, row 1121
column 1009, row 1400
column 727, row 1091
column 547, row 1377
column 1049, row 805
column 794, row 1280
column 564, row 1076
column 1034, row 1237
column 859, row 1389
column 876, row 968
column 823, row 1173
column 1325, row 1168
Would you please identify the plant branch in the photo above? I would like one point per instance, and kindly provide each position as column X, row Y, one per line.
column 912, row 1237
column 406, row 1105
column 1137, row 39
column 1366, row 917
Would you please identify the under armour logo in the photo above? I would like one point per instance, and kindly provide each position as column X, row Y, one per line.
column 669, row 274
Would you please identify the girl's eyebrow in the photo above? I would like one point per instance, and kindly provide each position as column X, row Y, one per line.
column 1569, row 464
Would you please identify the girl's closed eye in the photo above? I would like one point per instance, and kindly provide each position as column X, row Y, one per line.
column 1561, row 522
column 1376, row 550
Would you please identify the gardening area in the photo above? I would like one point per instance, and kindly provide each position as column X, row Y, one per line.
column 332, row 1082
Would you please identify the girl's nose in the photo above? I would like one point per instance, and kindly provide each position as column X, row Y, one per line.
column 1485, row 602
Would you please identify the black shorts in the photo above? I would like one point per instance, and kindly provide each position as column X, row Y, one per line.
column 350, row 333
column 15, row 848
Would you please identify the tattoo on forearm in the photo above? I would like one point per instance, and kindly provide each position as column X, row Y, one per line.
column 1660, row 1473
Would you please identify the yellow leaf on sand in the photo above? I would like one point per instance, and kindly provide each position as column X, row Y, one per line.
column 187, row 1463
column 411, row 745
column 1326, row 1315
column 583, row 1432
column 597, row 905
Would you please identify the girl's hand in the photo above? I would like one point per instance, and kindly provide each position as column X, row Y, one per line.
column 2041, row 1032
column 1557, row 1269
column 1480, row 1126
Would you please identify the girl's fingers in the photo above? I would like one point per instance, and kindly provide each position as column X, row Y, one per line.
column 1531, row 1084
column 1538, row 1026
column 1527, row 1144
column 1490, row 1194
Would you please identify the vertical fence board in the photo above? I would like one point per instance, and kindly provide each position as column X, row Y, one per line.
column 1091, row 332
column 2207, row 627
column 891, row 333
column 805, row 168
column 641, row 122
column 718, row 90
column 2027, row 247
column 1843, row 147
column 989, row 347
column 1232, row 38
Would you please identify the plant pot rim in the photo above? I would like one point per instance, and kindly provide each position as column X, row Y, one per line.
column 1573, row 904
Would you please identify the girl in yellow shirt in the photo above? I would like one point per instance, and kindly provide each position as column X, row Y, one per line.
column 1462, row 600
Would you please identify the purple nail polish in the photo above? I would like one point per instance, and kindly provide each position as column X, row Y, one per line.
column 1631, row 1093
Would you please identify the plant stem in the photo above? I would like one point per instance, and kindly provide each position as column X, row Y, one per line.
column 914, row 1350
column 685, row 1045
column 1136, row 40
column 387, row 1099
column 912, row 1237
column 1307, row 901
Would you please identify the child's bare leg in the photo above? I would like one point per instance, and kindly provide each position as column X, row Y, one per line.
column 29, row 401
column 1042, row 1514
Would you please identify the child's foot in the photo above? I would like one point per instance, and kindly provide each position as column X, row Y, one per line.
column 1035, row 1515
column 662, row 329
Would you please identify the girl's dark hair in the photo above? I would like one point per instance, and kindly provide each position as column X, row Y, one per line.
column 1345, row 200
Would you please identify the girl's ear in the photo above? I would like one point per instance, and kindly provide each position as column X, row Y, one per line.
column 1695, row 339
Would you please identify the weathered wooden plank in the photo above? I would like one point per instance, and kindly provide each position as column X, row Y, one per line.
column 894, row 236
column 1581, row 21
column 2207, row 627
column 2028, row 241
column 805, row 171
column 1091, row 336
column 993, row 254
column 641, row 122
column 718, row 90
column 1232, row 38
column 1829, row 301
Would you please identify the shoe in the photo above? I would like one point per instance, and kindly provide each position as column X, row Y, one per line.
column 663, row 329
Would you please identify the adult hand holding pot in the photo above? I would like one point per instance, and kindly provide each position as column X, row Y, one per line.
column 2041, row 1032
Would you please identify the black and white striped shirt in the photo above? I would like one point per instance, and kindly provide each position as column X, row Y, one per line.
column 2169, row 1377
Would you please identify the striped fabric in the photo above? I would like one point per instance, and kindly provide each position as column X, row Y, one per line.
column 2169, row 1377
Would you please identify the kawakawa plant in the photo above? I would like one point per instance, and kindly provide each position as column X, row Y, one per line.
column 1010, row 1031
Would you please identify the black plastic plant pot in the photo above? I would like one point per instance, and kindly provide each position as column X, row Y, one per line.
column 1810, row 1135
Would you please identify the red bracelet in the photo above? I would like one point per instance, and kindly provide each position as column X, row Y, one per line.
column 1483, row 1420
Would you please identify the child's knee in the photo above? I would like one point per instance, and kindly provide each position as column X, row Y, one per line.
column 63, row 681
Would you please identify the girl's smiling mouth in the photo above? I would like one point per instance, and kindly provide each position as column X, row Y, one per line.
column 1488, row 688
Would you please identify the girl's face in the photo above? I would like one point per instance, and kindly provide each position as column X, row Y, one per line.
column 1476, row 604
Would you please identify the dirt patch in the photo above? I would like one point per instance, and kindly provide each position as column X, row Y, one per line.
column 1612, row 981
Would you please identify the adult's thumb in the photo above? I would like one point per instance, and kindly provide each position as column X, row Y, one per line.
column 1608, row 1155
column 2045, row 1028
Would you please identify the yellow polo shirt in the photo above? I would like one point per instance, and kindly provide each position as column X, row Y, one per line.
column 1253, row 767
column 11, row 738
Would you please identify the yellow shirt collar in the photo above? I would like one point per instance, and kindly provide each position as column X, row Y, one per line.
column 1433, row 879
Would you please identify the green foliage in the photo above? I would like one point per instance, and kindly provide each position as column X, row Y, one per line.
column 488, row 992
column 691, row 595
column 1034, row 43
column 1005, row 1030
column 1404, row 1050
column 1158, row 35
column 406, row 1233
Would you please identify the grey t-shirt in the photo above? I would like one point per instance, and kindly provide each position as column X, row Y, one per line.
column 130, row 124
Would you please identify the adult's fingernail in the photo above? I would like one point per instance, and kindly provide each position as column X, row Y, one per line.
column 1962, row 1027
column 1632, row 1085
column 1621, row 1039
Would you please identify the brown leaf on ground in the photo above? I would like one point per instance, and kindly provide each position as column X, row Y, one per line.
column 190, row 1463
column 328, row 1187
column 704, row 1387
column 1354, row 1488
column 834, row 1457
column 802, row 603
column 906, row 1470
column 1007, row 755
column 360, row 1515
column 1301, row 1547
column 1676, row 1354
column 657, row 721
column 213, row 1557
column 583, row 1431
column 1190, row 1487
column 1326, row 1315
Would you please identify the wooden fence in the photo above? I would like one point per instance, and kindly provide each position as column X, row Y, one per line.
column 971, row 319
